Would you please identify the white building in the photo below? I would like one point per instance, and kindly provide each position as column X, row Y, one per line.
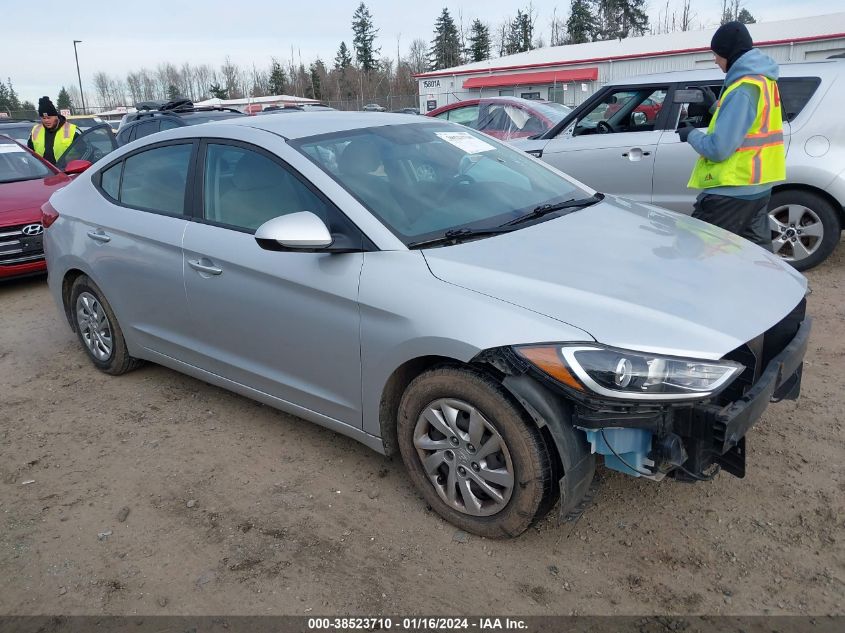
column 570, row 74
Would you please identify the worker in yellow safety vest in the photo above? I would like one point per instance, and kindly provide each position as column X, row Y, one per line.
column 742, row 153
column 52, row 137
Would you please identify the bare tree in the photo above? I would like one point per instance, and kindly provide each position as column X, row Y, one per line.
column 418, row 55
column 686, row 16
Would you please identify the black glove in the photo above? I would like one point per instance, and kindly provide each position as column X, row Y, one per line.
column 684, row 131
column 709, row 97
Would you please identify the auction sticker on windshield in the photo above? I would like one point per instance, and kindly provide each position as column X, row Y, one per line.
column 465, row 141
column 11, row 149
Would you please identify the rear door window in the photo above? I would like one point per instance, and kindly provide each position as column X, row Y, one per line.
column 155, row 179
column 795, row 93
column 110, row 180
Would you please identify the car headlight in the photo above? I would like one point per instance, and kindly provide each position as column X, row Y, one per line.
column 628, row 375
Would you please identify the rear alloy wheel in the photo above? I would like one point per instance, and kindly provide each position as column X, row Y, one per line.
column 475, row 456
column 805, row 227
column 97, row 328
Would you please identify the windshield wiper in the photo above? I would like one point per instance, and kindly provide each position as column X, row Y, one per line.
column 456, row 236
column 545, row 209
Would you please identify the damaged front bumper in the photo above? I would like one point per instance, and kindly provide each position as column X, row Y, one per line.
column 687, row 441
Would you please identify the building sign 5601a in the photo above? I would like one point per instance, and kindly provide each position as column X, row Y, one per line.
column 431, row 83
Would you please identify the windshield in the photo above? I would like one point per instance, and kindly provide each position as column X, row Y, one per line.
column 422, row 179
column 17, row 164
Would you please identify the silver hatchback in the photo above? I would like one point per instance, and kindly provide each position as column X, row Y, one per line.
column 623, row 141
column 429, row 291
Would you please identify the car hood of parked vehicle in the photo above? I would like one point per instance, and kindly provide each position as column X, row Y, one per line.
column 632, row 275
column 21, row 201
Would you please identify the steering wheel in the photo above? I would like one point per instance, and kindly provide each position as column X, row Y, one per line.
column 460, row 179
column 603, row 127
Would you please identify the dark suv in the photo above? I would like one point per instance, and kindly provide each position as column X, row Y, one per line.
column 156, row 117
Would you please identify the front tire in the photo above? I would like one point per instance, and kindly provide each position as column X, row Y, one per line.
column 805, row 227
column 98, row 330
column 473, row 454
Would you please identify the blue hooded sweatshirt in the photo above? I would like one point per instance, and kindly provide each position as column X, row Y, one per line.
column 736, row 115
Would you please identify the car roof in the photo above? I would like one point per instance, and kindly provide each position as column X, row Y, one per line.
column 315, row 123
column 797, row 69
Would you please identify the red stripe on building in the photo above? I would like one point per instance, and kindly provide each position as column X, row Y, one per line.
column 529, row 79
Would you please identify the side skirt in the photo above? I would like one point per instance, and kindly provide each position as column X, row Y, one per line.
column 371, row 441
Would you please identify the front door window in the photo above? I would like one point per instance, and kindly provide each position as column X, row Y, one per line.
column 624, row 110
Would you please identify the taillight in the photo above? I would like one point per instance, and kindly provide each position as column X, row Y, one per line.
column 48, row 214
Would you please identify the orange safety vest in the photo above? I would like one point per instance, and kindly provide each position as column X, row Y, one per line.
column 762, row 156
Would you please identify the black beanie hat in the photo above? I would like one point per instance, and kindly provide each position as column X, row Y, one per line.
column 45, row 106
column 731, row 41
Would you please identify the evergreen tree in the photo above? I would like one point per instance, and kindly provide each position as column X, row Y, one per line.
column 278, row 81
column 524, row 30
column 63, row 100
column 745, row 17
column 582, row 25
column 445, row 49
column 621, row 18
column 318, row 71
column 8, row 97
column 28, row 105
column 479, row 38
column 363, row 36
column 173, row 92
column 343, row 59
column 217, row 91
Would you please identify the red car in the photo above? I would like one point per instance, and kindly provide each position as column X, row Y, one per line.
column 26, row 183
column 504, row 117
column 649, row 107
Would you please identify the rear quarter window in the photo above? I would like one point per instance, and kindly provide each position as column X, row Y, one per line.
column 795, row 93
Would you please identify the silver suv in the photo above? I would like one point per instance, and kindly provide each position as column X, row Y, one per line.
column 623, row 141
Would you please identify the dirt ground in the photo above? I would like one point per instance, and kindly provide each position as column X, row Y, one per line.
column 235, row 508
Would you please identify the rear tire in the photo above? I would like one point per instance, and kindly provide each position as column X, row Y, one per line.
column 791, row 210
column 473, row 454
column 98, row 330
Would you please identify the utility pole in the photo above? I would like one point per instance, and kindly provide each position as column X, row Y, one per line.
column 79, row 76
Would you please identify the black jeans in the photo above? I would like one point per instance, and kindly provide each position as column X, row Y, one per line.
column 746, row 218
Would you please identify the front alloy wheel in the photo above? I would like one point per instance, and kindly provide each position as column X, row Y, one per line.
column 473, row 453
column 465, row 457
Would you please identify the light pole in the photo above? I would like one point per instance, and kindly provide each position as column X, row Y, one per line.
column 78, row 76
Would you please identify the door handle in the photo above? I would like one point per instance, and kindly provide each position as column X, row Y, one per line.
column 204, row 268
column 635, row 153
column 99, row 236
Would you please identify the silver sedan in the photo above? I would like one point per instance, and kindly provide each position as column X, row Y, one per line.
column 428, row 291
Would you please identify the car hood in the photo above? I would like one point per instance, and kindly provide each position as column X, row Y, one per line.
column 634, row 276
column 21, row 202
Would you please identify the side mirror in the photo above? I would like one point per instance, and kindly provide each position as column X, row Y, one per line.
column 690, row 95
column 77, row 166
column 638, row 118
column 298, row 231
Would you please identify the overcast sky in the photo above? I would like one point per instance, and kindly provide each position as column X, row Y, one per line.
column 36, row 46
